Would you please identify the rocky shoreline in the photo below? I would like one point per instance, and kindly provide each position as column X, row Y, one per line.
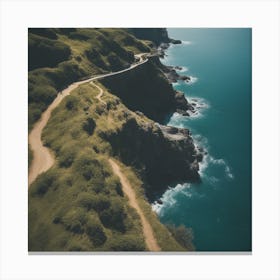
column 183, row 106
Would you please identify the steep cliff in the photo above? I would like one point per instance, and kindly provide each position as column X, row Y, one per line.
column 156, row 35
column 146, row 89
column 161, row 154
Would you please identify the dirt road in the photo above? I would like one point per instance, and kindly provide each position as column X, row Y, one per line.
column 43, row 158
column 150, row 240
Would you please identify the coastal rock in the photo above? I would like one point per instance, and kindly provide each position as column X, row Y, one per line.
column 178, row 68
column 182, row 104
column 164, row 46
column 175, row 42
column 184, row 78
column 142, row 146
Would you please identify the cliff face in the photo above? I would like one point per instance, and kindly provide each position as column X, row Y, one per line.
column 156, row 35
column 146, row 89
column 162, row 154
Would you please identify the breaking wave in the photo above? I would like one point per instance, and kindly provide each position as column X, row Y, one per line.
column 182, row 69
column 192, row 80
column 169, row 198
column 187, row 42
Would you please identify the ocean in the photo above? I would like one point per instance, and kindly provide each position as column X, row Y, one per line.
column 218, row 209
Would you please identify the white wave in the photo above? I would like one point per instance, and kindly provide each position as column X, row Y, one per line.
column 202, row 142
column 168, row 199
column 199, row 105
column 228, row 172
column 222, row 163
column 187, row 42
column 195, row 115
column 177, row 120
column 213, row 180
column 182, row 69
column 192, row 80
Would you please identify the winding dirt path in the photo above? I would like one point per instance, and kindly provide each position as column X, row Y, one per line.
column 100, row 93
column 150, row 240
column 43, row 158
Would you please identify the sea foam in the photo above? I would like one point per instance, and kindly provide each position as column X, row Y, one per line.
column 192, row 80
column 168, row 199
column 183, row 69
column 187, row 42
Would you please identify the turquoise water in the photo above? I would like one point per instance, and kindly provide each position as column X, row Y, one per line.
column 218, row 209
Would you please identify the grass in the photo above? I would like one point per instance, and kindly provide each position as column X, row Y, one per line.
column 80, row 194
column 59, row 56
column 78, row 204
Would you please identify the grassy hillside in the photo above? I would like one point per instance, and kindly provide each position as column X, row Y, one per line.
column 78, row 204
column 60, row 56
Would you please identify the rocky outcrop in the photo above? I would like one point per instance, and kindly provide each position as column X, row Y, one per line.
column 173, row 76
column 175, row 42
column 162, row 154
column 183, row 107
column 156, row 35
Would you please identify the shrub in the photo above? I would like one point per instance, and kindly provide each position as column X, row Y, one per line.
column 91, row 201
column 102, row 203
column 89, row 167
column 67, row 155
column 71, row 102
column 44, row 182
column 127, row 243
column 115, row 62
column 113, row 183
column 44, row 94
column 74, row 219
column 33, row 115
column 66, row 73
column 94, row 230
column 183, row 235
column 89, row 126
column 86, row 200
column 95, row 57
column 44, row 52
column 66, row 159
column 114, row 217
column 76, row 246
column 97, row 186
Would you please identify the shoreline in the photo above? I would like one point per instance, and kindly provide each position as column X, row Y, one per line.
column 194, row 108
column 171, row 73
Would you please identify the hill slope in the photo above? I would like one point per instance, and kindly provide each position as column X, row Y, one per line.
column 79, row 204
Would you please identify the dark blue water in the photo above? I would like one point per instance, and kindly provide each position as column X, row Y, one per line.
column 219, row 209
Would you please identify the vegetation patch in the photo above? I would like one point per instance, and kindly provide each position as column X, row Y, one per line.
column 59, row 56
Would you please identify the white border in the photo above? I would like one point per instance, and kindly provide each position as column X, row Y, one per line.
column 262, row 16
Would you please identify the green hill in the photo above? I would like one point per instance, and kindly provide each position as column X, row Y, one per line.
column 59, row 56
column 78, row 204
